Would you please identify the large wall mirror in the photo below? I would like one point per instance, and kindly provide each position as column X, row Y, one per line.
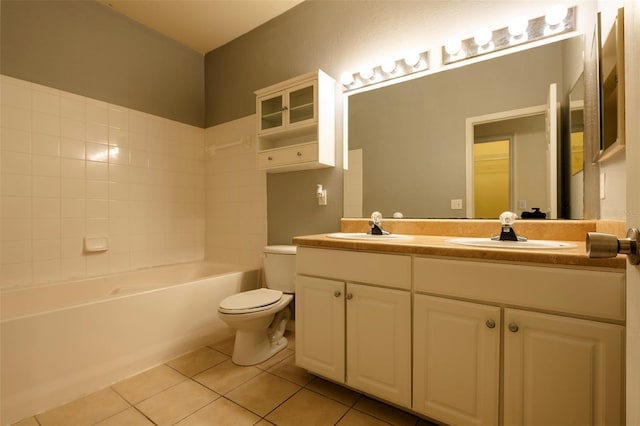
column 423, row 147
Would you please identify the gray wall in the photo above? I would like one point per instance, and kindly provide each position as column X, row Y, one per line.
column 84, row 47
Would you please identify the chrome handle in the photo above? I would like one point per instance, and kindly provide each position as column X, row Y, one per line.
column 490, row 323
column 513, row 327
column 337, row 293
column 349, row 296
column 601, row 245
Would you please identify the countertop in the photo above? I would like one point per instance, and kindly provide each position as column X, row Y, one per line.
column 429, row 245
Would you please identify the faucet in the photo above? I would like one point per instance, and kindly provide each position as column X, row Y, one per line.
column 376, row 224
column 506, row 232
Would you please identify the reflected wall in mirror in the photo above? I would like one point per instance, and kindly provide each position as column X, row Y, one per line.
column 407, row 141
column 576, row 149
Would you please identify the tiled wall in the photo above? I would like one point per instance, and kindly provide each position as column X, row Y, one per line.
column 74, row 167
column 236, row 195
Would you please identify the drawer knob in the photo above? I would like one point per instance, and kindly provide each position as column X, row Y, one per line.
column 337, row 293
column 349, row 296
column 490, row 323
column 513, row 327
column 269, row 158
column 299, row 154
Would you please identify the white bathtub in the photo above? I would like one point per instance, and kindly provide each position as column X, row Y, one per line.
column 62, row 341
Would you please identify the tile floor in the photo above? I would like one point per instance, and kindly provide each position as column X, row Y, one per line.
column 205, row 388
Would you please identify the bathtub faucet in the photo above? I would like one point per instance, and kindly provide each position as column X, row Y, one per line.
column 376, row 224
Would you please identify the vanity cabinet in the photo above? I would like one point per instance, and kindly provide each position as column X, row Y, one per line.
column 353, row 320
column 296, row 124
column 561, row 356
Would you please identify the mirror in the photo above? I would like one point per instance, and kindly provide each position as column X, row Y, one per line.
column 576, row 149
column 407, row 141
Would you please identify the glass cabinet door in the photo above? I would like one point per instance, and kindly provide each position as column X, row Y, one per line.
column 301, row 104
column 271, row 113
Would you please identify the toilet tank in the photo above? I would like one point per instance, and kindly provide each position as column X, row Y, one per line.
column 280, row 268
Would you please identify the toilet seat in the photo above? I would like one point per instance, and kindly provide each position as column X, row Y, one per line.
column 250, row 301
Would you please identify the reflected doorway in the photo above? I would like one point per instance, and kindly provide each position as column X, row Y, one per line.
column 492, row 177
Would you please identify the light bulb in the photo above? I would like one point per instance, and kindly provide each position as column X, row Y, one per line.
column 453, row 46
column 388, row 66
column 556, row 14
column 366, row 72
column 518, row 26
column 412, row 59
column 483, row 36
column 346, row 78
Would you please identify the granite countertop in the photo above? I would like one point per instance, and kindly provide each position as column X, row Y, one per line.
column 430, row 245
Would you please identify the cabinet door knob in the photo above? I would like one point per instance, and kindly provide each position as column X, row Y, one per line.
column 337, row 293
column 349, row 296
column 284, row 108
column 299, row 154
column 490, row 323
column 513, row 327
column 269, row 158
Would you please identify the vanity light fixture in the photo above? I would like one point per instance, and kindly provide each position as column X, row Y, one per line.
column 559, row 19
column 389, row 70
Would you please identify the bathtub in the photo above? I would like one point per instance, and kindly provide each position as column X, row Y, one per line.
column 63, row 341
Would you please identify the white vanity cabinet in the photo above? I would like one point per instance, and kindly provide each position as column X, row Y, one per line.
column 353, row 320
column 561, row 357
column 296, row 123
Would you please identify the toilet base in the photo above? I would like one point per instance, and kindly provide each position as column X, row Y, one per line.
column 254, row 347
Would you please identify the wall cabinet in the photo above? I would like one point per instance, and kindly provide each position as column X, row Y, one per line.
column 296, row 124
column 358, row 334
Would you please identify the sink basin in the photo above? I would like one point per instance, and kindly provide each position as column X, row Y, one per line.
column 369, row 237
column 522, row 245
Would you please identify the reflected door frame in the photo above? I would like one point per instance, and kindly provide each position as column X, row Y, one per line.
column 470, row 123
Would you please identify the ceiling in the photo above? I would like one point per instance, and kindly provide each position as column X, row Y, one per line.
column 202, row 25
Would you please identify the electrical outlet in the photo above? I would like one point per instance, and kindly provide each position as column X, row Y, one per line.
column 456, row 204
column 522, row 204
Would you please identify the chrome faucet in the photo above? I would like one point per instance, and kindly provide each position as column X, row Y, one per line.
column 376, row 224
column 506, row 232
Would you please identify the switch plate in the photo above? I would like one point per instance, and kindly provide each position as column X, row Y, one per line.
column 602, row 184
column 522, row 204
column 456, row 204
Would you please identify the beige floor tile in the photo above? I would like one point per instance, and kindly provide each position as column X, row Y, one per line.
column 226, row 376
column 197, row 361
column 29, row 421
column 291, row 340
column 423, row 422
column 85, row 411
column 263, row 393
column 176, row 403
column 225, row 346
column 309, row 409
column 287, row 369
column 333, row 391
column 264, row 422
column 221, row 412
column 358, row 418
column 385, row 412
column 149, row 383
column 283, row 354
column 130, row 417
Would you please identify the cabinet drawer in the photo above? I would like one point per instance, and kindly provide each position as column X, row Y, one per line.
column 371, row 268
column 285, row 156
column 588, row 292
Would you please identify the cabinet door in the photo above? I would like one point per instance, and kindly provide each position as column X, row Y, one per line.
column 320, row 326
column 456, row 353
column 302, row 104
column 379, row 342
column 271, row 111
column 561, row 371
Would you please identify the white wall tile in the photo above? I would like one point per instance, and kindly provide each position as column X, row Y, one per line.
column 74, row 167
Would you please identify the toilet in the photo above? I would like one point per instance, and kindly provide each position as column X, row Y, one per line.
column 260, row 316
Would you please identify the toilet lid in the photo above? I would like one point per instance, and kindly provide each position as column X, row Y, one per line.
column 251, row 299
